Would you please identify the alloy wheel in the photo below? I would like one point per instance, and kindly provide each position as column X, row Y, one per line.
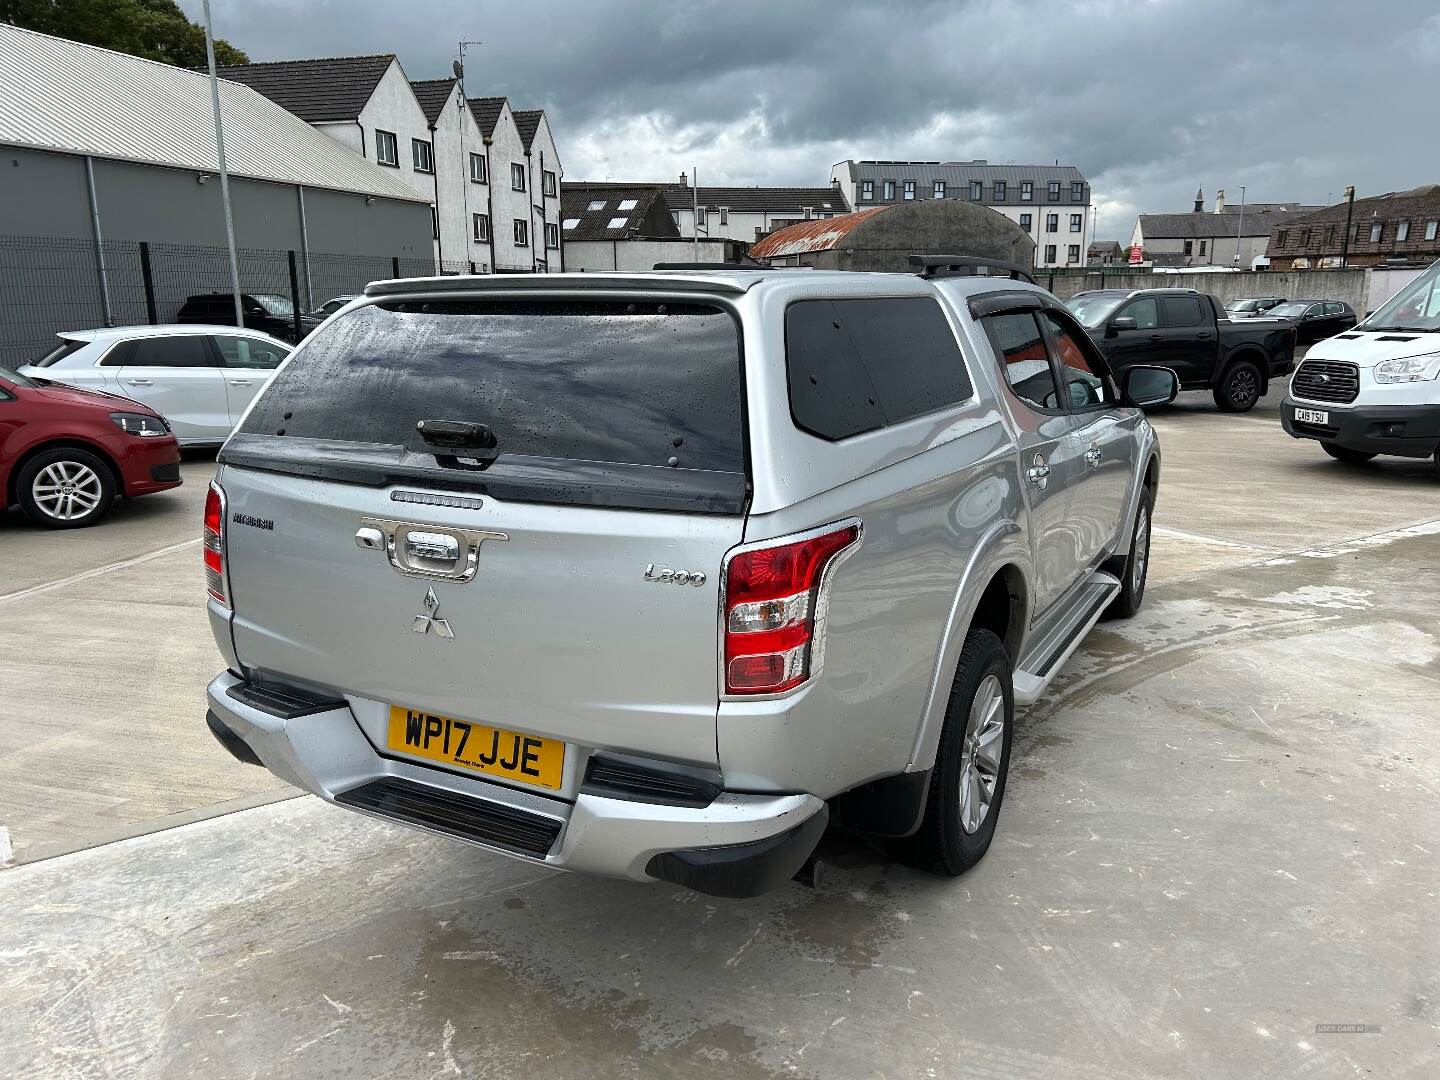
column 1142, row 551
column 1244, row 387
column 981, row 752
column 67, row 490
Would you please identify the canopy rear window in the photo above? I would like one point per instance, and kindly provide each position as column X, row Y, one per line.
column 642, row 390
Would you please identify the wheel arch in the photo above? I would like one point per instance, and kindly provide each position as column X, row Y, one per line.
column 1253, row 353
column 13, row 485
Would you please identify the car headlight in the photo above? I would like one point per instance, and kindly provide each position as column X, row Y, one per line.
column 142, row 424
column 1408, row 369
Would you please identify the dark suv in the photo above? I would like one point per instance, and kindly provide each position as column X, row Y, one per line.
column 270, row 312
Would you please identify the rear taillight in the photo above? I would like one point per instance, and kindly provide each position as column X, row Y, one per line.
column 214, row 539
column 774, row 609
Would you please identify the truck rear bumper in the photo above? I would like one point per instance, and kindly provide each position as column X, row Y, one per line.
column 738, row 845
column 1402, row 430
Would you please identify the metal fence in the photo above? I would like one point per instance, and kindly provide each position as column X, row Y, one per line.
column 52, row 284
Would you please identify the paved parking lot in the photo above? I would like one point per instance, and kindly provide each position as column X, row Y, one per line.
column 1221, row 832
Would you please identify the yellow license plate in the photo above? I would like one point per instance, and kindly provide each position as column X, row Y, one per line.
column 526, row 758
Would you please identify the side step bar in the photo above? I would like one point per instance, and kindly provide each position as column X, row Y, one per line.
column 1048, row 652
column 460, row 816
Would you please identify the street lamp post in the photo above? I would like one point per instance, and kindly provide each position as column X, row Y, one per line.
column 1349, row 213
column 224, row 172
column 1240, row 229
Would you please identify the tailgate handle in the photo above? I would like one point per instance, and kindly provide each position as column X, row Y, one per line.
column 432, row 545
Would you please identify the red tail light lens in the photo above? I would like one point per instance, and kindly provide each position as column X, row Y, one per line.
column 214, row 543
column 774, row 610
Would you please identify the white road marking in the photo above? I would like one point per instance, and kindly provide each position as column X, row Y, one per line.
column 86, row 575
column 6, row 851
column 1178, row 534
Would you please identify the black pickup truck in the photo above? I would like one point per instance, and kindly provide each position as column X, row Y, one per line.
column 1188, row 332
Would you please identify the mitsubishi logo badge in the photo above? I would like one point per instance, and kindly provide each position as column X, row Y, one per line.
column 430, row 618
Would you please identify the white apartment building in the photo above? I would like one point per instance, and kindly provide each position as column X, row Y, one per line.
column 492, row 174
column 1050, row 202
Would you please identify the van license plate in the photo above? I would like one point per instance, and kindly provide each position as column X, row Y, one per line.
column 509, row 754
column 1311, row 416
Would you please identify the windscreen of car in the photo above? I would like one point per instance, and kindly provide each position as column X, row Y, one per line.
column 1091, row 311
column 1288, row 311
column 1415, row 307
column 275, row 304
column 1243, row 305
column 634, row 396
column 16, row 379
column 55, row 355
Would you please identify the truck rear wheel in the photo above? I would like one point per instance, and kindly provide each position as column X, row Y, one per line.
column 1239, row 387
column 968, row 781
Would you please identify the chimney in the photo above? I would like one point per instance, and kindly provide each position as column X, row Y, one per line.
column 684, row 180
column 1199, row 201
column 1220, row 201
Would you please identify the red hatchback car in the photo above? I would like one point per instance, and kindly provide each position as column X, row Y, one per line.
column 65, row 453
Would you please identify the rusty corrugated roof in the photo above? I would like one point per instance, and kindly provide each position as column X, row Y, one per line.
column 822, row 234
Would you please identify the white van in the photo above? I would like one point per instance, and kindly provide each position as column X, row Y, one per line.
column 1375, row 389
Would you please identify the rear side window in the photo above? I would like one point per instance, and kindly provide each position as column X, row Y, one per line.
column 1020, row 347
column 858, row 365
column 1334, row 309
column 642, row 383
column 55, row 355
column 170, row 352
column 1182, row 310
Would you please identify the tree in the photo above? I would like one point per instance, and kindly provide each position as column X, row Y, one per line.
column 154, row 29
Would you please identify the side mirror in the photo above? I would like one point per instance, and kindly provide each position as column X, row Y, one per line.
column 1146, row 387
column 1124, row 322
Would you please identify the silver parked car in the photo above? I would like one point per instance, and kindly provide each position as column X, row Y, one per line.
column 200, row 378
column 652, row 575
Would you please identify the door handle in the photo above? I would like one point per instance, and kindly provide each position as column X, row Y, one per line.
column 1092, row 457
column 1038, row 473
column 139, row 382
column 241, row 382
column 1157, row 337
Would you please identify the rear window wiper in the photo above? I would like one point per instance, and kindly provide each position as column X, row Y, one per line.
column 470, row 445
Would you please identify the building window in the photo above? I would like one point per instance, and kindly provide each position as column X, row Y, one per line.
column 1203, row 245
column 1402, row 231
column 517, row 176
column 571, row 222
column 1430, row 227
column 939, row 191
column 1189, row 247
column 1052, row 222
column 435, row 223
column 1329, row 235
column 724, row 215
column 1077, row 190
column 1281, row 237
column 596, row 204
column 1054, row 190
column 1076, row 223
column 867, row 190
column 1305, row 237
column 999, row 190
column 423, row 155
column 618, row 222
column 552, row 235
column 477, row 168
column 889, row 189
column 1025, row 222
column 977, row 191
column 1049, row 253
column 700, row 213
column 1027, row 191
column 909, row 190
column 675, row 215
column 759, row 232
column 387, row 150
column 547, row 183
column 810, row 210
column 1073, row 254
column 480, row 225
column 1376, row 232
column 522, row 232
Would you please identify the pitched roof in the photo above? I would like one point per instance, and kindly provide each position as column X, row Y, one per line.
column 774, row 200
column 432, row 95
column 807, row 236
column 486, row 111
column 962, row 172
column 576, row 201
column 528, row 122
column 61, row 95
column 1205, row 224
column 334, row 88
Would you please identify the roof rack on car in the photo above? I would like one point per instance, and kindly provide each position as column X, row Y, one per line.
column 934, row 266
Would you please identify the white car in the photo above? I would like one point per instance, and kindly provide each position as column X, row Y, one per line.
column 200, row 378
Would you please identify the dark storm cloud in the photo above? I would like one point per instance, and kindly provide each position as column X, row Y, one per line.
column 1294, row 99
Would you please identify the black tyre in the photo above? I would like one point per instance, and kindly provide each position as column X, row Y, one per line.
column 1350, row 457
column 968, row 782
column 1134, row 565
column 1240, row 387
column 65, row 488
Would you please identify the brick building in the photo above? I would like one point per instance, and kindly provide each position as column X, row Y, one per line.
column 1400, row 227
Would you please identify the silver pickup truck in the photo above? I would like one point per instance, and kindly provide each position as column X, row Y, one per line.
column 653, row 575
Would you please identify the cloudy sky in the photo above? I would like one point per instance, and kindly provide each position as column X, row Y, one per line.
column 1151, row 99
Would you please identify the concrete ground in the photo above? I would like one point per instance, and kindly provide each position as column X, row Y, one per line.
column 1220, row 834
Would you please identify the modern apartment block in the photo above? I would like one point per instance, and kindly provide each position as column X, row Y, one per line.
column 1049, row 202
column 491, row 173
